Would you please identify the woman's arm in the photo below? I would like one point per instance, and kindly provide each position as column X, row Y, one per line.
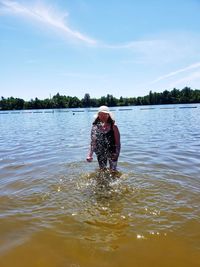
column 92, row 144
column 117, row 139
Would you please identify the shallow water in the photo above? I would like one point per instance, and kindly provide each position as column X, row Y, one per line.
column 55, row 212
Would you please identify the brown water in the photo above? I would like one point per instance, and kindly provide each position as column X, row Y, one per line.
column 54, row 212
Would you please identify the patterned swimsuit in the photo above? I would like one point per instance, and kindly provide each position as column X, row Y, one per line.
column 104, row 145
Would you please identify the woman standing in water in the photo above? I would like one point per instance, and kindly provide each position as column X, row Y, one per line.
column 105, row 140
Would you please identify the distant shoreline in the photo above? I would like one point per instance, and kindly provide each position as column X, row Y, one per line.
column 176, row 96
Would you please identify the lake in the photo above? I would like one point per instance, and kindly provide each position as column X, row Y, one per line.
column 53, row 213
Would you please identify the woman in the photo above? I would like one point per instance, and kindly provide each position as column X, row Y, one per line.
column 105, row 140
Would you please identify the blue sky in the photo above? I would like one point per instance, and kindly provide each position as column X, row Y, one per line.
column 124, row 48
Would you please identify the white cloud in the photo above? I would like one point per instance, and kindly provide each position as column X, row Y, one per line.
column 174, row 73
column 45, row 15
column 188, row 80
column 132, row 45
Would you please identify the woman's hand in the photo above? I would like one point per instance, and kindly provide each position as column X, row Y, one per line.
column 89, row 159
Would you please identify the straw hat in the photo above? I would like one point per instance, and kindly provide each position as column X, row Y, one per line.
column 105, row 109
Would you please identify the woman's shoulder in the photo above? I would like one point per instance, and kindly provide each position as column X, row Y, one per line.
column 115, row 127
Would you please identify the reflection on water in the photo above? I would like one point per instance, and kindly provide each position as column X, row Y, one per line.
column 58, row 210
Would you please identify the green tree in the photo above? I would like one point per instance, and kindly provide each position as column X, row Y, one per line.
column 186, row 94
column 74, row 102
column 86, row 101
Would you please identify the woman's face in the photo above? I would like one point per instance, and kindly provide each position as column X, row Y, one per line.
column 103, row 116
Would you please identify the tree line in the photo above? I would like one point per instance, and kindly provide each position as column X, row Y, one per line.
column 176, row 96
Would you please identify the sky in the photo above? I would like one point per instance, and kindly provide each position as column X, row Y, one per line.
column 122, row 48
